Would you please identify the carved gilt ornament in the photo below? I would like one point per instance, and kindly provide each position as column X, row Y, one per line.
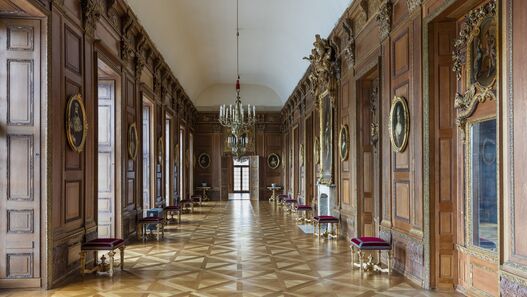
column 384, row 19
column 91, row 13
column 475, row 60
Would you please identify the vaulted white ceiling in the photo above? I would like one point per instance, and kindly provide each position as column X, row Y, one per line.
column 197, row 38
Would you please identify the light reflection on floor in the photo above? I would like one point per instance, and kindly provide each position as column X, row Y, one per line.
column 237, row 248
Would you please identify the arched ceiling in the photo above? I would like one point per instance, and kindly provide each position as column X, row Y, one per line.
column 197, row 39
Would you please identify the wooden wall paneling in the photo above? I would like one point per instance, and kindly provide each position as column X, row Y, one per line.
column 514, row 273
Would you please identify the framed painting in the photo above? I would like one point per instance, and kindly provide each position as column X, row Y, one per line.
column 76, row 123
column 132, row 141
column 273, row 161
column 344, row 142
column 399, row 124
column 326, row 138
column 204, row 160
column 316, row 151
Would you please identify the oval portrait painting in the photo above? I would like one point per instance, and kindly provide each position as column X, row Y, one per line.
column 76, row 123
column 399, row 124
column 273, row 161
column 344, row 142
column 204, row 160
column 132, row 141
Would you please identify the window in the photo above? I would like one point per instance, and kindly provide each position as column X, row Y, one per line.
column 147, row 156
column 483, row 183
column 241, row 176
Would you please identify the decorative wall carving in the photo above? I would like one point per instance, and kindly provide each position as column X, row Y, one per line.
column 91, row 12
column 126, row 47
column 348, row 51
column 413, row 4
column 323, row 67
column 512, row 286
column 469, row 57
column 384, row 18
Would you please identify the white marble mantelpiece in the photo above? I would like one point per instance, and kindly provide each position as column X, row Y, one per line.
column 327, row 200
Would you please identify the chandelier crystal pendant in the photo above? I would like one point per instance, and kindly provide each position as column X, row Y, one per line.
column 237, row 119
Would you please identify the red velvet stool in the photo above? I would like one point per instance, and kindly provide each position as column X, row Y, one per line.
column 142, row 223
column 290, row 203
column 282, row 198
column 305, row 210
column 197, row 199
column 187, row 205
column 102, row 244
column 370, row 244
column 328, row 221
column 171, row 210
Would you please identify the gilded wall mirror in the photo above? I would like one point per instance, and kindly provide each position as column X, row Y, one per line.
column 273, row 161
column 344, row 142
column 399, row 124
column 133, row 141
column 204, row 160
column 76, row 123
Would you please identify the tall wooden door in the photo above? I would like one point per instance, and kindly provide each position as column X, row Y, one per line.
column 106, row 159
column 366, row 159
column 443, row 150
column 20, row 180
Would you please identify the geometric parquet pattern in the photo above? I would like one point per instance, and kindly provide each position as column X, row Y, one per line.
column 237, row 248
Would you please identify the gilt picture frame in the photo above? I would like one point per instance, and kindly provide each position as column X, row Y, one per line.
column 344, row 142
column 204, row 160
column 399, row 124
column 326, row 138
column 316, row 151
column 273, row 161
column 76, row 123
column 133, row 141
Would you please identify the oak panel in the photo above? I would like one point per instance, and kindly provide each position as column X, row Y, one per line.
column 20, row 92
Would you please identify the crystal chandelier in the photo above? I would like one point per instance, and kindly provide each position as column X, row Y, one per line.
column 236, row 118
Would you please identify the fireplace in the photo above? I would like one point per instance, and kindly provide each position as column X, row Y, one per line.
column 327, row 200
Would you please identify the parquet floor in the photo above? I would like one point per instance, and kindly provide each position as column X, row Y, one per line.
column 237, row 248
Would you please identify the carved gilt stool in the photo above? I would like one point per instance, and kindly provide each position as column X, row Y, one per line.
column 187, row 205
column 197, row 199
column 281, row 199
column 365, row 243
column 102, row 244
column 303, row 213
column 171, row 210
column 142, row 224
column 332, row 221
column 290, row 204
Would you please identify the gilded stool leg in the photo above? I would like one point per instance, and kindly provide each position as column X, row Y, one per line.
column 157, row 228
column 162, row 230
column 121, row 250
column 82, row 262
column 111, row 255
column 361, row 261
column 389, row 261
column 352, row 257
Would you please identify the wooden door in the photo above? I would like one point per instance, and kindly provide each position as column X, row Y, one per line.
column 366, row 178
column 443, row 150
column 20, row 180
column 106, row 159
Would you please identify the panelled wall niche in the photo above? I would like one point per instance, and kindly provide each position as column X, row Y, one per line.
column 90, row 41
column 451, row 200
